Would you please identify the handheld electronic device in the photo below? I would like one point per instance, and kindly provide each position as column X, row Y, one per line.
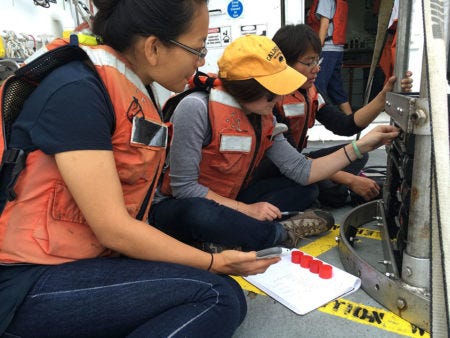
column 272, row 252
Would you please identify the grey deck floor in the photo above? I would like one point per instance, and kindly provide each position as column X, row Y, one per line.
column 357, row 315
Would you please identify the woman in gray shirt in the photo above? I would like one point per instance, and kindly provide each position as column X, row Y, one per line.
column 218, row 139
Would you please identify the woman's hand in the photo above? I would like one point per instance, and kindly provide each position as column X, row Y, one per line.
column 365, row 187
column 407, row 82
column 262, row 211
column 378, row 136
column 238, row 263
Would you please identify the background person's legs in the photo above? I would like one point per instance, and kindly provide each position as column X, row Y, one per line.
column 331, row 193
column 280, row 191
column 329, row 80
column 203, row 220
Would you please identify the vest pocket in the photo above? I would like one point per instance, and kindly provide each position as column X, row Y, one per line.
column 229, row 163
column 64, row 232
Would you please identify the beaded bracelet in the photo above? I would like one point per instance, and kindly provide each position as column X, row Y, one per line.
column 356, row 150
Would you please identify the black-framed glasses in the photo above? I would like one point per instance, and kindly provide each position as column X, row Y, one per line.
column 315, row 62
column 201, row 53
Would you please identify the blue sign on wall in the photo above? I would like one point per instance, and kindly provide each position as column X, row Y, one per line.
column 235, row 8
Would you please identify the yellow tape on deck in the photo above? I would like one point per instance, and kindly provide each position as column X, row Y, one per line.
column 368, row 315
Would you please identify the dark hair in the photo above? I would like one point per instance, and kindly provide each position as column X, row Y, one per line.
column 120, row 22
column 244, row 91
column 295, row 40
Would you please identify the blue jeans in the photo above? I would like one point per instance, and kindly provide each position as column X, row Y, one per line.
column 121, row 297
column 203, row 220
column 329, row 79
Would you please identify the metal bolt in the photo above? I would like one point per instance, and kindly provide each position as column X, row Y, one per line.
column 337, row 239
column 408, row 271
column 401, row 303
column 418, row 116
column 390, row 275
column 385, row 262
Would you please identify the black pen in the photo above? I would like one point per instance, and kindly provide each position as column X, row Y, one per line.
column 291, row 213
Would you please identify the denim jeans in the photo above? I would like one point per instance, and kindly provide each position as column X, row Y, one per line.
column 203, row 220
column 331, row 193
column 329, row 79
column 121, row 297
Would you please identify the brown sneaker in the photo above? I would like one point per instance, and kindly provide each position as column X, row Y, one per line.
column 309, row 223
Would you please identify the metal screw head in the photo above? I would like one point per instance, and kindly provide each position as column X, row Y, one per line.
column 401, row 303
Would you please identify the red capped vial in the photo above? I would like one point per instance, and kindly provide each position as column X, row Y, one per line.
column 325, row 271
column 296, row 256
column 314, row 266
column 305, row 261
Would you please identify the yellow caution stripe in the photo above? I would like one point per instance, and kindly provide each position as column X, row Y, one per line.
column 368, row 233
column 247, row 286
column 379, row 318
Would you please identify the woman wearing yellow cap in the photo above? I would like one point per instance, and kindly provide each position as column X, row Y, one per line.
column 219, row 138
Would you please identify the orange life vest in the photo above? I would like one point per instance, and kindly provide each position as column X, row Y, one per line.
column 339, row 21
column 234, row 151
column 387, row 58
column 299, row 113
column 43, row 224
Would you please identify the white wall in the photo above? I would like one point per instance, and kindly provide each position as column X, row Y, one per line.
column 261, row 17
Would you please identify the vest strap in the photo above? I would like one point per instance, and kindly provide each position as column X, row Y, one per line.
column 13, row 162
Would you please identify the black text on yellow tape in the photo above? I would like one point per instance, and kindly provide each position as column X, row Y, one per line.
column 363, row 314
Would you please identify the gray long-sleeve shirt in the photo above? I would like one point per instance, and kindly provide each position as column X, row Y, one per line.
column 192, row 131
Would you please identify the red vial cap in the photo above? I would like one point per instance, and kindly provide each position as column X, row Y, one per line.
column 296, row 256
column 315, row 266
column 325, row 271
column 305, row 261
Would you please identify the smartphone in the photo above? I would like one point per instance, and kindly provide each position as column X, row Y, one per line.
column 272, row 252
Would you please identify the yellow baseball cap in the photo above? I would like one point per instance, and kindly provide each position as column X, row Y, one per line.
column 258, row 57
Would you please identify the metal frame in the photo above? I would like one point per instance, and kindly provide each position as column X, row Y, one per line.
column 404, row 291
column 409, row 302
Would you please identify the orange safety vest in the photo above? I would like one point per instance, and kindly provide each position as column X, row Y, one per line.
column 387, row 58
column 234, row 151
column 339, row 21
column 43, row 225
column 299, row 113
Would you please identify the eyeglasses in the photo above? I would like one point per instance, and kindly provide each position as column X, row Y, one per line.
column 315, row 62
column 134, row 109
column 200, row 53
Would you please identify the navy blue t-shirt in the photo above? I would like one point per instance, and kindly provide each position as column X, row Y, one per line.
column 69, row 110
